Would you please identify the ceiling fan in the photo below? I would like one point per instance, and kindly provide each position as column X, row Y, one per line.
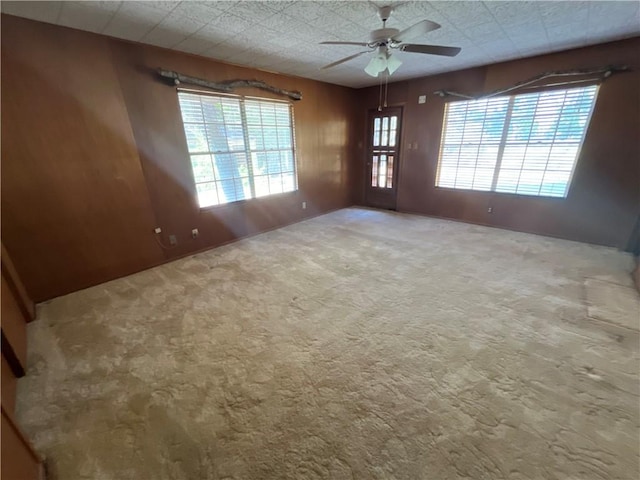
column 384, row 40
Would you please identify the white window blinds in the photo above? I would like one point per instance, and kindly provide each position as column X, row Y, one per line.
column 523, row 144
column 239, row 148
column 270, row 146
column 472, row 136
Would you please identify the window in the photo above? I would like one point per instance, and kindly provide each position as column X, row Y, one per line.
column 524, row 144
column 240, row 148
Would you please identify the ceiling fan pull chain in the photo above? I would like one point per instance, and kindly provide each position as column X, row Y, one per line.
column 386, row 87
column 380, row 97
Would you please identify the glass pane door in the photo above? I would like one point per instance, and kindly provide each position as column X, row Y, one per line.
column 384, row 143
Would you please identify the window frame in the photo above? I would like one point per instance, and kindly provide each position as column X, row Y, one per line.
column 504, row 141
column 247, row 151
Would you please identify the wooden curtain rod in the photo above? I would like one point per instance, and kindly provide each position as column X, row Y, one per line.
column 602, row 73
column 228, row 86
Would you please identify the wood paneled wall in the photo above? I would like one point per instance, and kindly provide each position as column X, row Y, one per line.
column 604, row 199
column 94, row 157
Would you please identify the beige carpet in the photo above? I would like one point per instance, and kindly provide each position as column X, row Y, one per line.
column 357, row 345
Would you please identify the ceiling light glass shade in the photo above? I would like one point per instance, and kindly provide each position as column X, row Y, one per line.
column 376, row 65
column 382, row 61
column 393, row 63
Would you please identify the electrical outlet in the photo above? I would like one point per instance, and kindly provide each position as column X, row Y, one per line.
column 490, row 209
column 158, row 230
column 422, row 99
column 194, row 233
column 304, row 205
column 173, row 240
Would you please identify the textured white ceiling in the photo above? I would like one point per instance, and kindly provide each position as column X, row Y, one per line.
column 284, row 36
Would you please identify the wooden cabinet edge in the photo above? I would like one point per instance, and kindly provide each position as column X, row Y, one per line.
column 17, row 287
column 26, row 443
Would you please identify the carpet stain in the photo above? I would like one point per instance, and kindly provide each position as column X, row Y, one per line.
column 357, row 345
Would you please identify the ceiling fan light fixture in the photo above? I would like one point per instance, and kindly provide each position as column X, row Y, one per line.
column 393, row 63
column 377, row 64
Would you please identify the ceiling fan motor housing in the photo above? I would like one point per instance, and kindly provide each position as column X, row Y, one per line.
column 383, row 35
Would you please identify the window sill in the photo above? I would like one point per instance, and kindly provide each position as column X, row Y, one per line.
column 239, row 203
column 502, row 194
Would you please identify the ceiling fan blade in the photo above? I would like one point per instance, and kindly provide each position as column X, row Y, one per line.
column 419, row 28
column 431, row 49
column 346, row 59
column 361, row 44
